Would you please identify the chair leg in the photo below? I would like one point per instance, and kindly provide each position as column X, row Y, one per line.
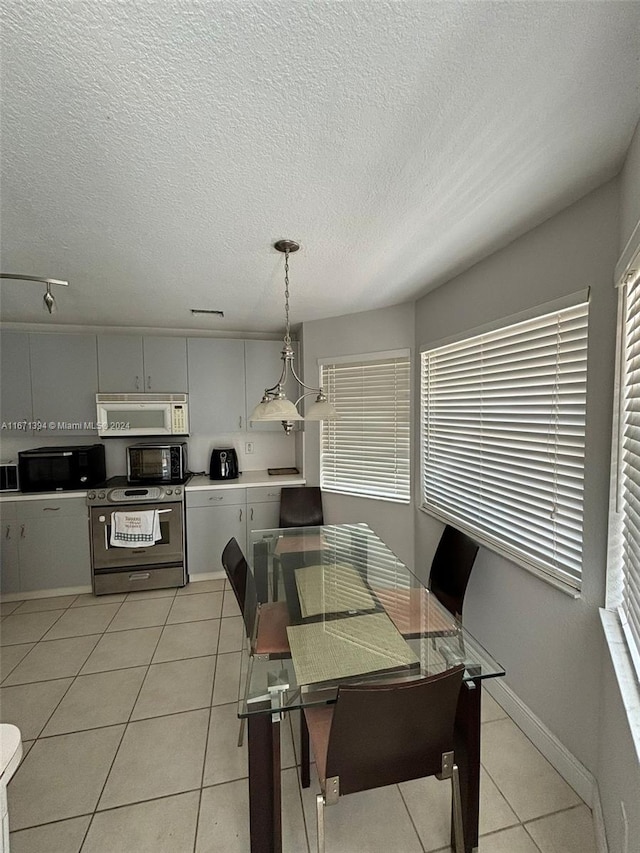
column 305, row 758
column 458, row 826
column 320, row 821
column 241, row 732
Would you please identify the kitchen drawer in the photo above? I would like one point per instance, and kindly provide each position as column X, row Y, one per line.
column 53, row 508
column 262, row 494
column 216, row 497
column 153, row 577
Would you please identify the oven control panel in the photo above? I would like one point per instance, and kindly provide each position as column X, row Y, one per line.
column 135, row 494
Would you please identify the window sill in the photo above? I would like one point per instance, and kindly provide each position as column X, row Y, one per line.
column 625, row 672
column 512, row 556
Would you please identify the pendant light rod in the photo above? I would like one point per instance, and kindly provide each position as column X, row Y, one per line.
column 275, row 406
column 33, row 278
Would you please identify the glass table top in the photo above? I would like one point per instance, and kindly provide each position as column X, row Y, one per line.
column 354, row 613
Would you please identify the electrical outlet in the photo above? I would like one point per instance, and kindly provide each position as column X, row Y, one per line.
column 248, row 447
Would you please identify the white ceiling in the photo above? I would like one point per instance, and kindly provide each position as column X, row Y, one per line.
column 153, row 151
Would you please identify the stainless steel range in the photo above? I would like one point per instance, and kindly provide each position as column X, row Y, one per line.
column 158, row 565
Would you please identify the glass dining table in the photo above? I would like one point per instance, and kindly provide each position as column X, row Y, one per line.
column 355, row 614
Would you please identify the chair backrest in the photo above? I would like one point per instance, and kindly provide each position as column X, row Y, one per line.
column 301, row 506
column 385, row 734
column 242, row 583
column 451, row 569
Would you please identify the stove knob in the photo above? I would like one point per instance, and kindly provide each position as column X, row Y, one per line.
column 169, row 491
column 101, row 495
column 178, row 491
column 91, row 496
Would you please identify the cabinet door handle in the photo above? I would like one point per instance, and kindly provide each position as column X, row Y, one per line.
column 216, row 498
column 240, row 421
column 137, row 383
column 22, row 534
column 7, row 534
column 51, row 509
column 273, row 494
column 240, row 515
column 139, row 576
column 148, row 383
column 251, row 513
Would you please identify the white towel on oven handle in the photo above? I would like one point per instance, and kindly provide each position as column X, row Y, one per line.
column 138, row 529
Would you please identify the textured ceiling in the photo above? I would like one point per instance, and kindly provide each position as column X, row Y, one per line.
column 153, row 151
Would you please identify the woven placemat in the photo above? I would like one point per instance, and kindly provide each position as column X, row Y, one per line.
column 340, row 648
column 331, row 588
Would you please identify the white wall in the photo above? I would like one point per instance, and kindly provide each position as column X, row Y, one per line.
column 549, row 643
column 354, row 334
column 618, row 772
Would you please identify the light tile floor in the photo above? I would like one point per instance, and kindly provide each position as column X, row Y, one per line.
column 127, row 707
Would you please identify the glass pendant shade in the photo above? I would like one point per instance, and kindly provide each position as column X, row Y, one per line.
column 276, row 410
column 321, row 410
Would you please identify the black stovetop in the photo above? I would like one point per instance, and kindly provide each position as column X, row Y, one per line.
column 121, row 482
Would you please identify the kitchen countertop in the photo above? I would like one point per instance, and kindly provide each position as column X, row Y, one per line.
column 249, row 479
column 5, row 497
column 199, row 482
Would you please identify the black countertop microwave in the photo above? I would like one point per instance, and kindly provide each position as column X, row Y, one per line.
column 52, row 469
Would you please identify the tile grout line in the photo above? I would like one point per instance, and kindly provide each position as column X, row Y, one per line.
column 206, row 740
column 411, row 820
column 126, row 724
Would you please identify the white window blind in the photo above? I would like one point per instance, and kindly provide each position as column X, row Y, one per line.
column 629, row 472
column 503, row 423
column 366, row 451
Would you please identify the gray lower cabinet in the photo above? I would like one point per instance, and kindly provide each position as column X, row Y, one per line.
column 45, row 545
column 64, row 381
column 9, row 568
column 215, row 515
column 263, row 509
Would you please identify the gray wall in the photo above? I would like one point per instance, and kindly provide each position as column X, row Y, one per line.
column 550, row 644
column 355, row 334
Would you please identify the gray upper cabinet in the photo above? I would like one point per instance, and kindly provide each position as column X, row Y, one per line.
column 216, row 385
column 131, row 363
column 120, row 367
column 64, row 380
column 165, row 364
column 263, row 365
column 15, row 389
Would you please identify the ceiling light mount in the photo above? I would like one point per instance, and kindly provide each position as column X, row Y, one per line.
column 275, row 406
column 48, row 298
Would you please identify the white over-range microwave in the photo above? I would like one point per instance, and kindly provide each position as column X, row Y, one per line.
column 127, row 415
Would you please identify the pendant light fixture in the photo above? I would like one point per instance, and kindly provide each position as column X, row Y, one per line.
column 48, row 299
column 274, row 405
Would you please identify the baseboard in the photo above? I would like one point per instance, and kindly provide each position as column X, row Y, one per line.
column 45, row 593
column 572, row 771
column 207, row 576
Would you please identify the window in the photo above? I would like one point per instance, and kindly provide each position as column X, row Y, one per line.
column 624, row 564
column 503, row 423
column 366, row 452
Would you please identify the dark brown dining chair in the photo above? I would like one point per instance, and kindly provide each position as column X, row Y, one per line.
column 301, row 506
column 451, row 569
column 265, row 624
column 384, row 734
